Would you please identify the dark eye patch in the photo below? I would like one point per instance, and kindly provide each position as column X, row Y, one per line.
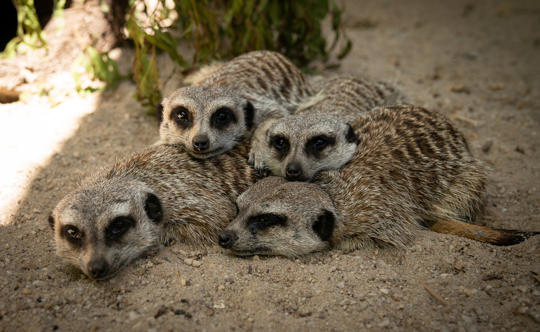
column 182, row 117
column 263, row 221
column 72, row 234
column 51, row 221
column 249, row 112
column 222, row 118
column 316, row 144
column 324, row 225
column 281, row 145
column 351, row 135
column 117, row 228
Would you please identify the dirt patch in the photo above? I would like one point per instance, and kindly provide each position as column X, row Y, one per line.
column 477, row 62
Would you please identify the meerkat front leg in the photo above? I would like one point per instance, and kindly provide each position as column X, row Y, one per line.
column 257, row 155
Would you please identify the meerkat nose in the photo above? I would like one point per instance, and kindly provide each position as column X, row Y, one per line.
column 227, row 239
column 201, row 143
column 98, row 269
column 293, row 172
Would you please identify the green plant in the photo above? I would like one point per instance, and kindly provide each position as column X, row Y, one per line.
column 29, row 31
column 212, row 29
column 100, row 66
column 223, row 29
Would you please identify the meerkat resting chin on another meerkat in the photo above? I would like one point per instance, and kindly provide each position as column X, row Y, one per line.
column 225, row 102
column 412, row 168
column 145, row 201
column 318, row 136
column 301, row 145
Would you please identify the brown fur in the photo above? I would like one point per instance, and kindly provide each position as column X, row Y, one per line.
column 196, row 201
column 412, row 168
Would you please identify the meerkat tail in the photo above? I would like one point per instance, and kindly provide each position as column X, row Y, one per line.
column 499, row 237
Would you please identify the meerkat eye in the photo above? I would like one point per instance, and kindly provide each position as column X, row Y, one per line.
column 236, row 208
column 222, row 118
column 181, row 116
column 281, row 144
column 118, row 227
column 264, row 221
column 73, row 234
column 318, row 143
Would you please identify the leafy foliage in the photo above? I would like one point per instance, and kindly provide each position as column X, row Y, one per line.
column 100, row 66
column 28, row 29
column 211, row 29
column 223, row 29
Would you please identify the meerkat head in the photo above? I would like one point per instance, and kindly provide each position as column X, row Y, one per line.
column 103, row 227
column 276, row 217
column 299, row 146
column 207, row 121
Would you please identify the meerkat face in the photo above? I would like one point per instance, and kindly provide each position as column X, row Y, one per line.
column 207, row 121
column 102, row 228
column 276, row 217
column 299, row 146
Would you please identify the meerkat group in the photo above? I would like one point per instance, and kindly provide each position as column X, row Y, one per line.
column 412, row 168
column 376, row 172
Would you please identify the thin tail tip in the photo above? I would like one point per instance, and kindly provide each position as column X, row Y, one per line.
column 509, row 237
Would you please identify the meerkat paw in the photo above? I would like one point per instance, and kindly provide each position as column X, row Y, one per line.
column 256, row 162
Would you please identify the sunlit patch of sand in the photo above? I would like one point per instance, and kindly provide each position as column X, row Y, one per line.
column 30, row 133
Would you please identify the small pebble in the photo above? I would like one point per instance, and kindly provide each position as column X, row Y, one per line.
column 219, row 305
column 384, row 323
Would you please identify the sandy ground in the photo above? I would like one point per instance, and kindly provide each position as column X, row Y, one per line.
column 478, row 62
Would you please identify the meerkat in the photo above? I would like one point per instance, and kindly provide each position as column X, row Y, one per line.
column 318, row 136
column 301, row 145
column 145, row 201
column 229, row 99
column 412, row 168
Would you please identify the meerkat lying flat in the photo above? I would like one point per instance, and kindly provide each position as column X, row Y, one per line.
column 140, row 203
column 412, row 168
column 318, row 136
column 228, row 100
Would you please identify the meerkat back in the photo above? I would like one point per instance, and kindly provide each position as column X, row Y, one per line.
column 350, row 96
column 270, row 81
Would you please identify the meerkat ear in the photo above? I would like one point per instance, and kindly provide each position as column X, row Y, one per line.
column 152, row 207
column 51, row 221
column 324, row 225
column 351, row 135
column 249, row 113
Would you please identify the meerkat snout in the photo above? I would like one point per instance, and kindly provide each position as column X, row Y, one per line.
column 98, row 268
column 301, row 145
column 293, row 171
column 200, row 143
column 227, row 239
